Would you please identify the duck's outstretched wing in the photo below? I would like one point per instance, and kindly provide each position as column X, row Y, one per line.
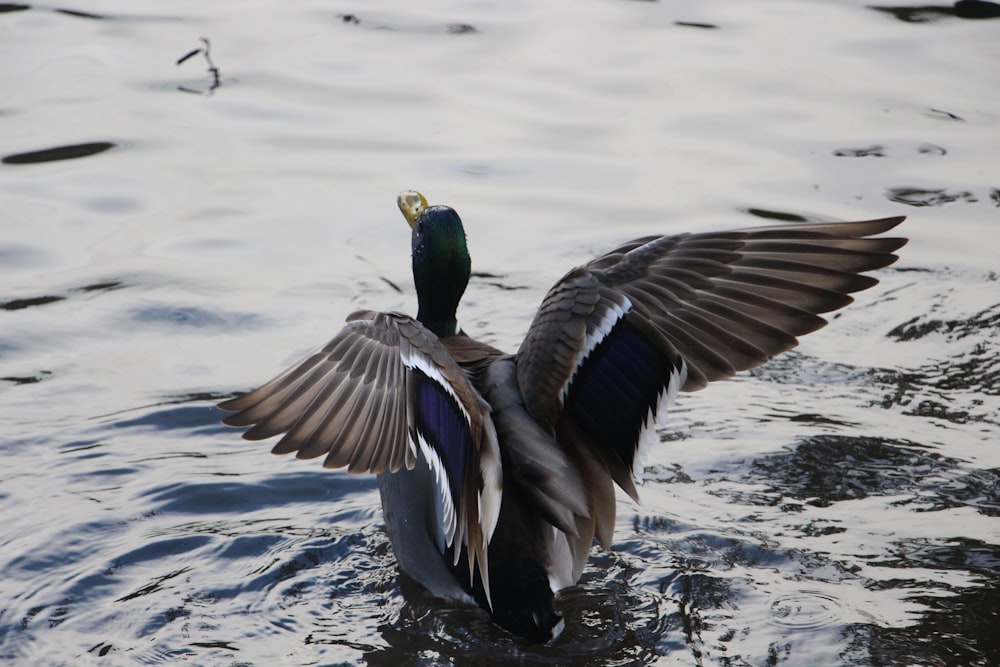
column 615, row 339
column 381, row 391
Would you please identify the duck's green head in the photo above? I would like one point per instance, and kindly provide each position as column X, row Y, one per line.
column 441, row 263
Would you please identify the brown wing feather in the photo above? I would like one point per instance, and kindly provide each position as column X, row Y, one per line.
column 709, row 304
column 726, row 301
column 349, row 401
column 320, row 403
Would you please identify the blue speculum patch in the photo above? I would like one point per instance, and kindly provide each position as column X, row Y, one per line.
column 443, row 425
column 616, row 387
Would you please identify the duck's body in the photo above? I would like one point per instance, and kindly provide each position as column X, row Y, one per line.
column 497, row 471
column 521, row 600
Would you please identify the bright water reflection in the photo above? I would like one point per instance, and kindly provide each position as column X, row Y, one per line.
column 169, row 239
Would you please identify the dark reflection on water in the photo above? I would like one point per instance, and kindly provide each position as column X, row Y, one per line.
column 234, row 496
column 496, row 280
column 964, row 9
column 27, row 379
column 949, row 387
column 76, row 13
column 607, row 621
column 880, row 150
column 70, row 152
column 30, row 302
column 829, row 469
column 982, row 323
column 931, row 149
column 80, row 14
column 709, row 591
column 449, row 28
column 958, row 628
column 929, row 196
column 18, row 304
column 941, row 114
column 695, row 24
column 776, row 215
column 8, row 7
column 103, row 286
column 869, row 151
column 197, row 419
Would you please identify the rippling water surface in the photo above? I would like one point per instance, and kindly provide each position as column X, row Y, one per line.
column 175, row 232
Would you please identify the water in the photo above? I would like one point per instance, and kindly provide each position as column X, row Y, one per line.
column 173, row 234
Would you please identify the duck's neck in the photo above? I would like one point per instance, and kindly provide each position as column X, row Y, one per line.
column 438, row 294
column 436, row 309
column 440, row 319
column 441, row 268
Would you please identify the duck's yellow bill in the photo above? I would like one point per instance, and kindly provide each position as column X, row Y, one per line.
column 411, row 203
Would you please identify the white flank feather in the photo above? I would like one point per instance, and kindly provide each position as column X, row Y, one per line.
column 560, row 568
column 492, row 492
column 411, row 445
column 448, row 521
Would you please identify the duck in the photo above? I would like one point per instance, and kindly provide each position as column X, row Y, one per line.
column 497, row 471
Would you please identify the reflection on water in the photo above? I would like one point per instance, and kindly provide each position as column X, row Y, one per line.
column 933, row 197
column 29, row 302
column 160, row 250
column 58, row 153
column 963, row 9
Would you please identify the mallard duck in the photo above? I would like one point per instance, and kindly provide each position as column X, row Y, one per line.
column 496, row 471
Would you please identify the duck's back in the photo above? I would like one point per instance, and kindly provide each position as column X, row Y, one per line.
column 543, row 503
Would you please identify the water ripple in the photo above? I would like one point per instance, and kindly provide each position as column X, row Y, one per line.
column 911, row 196
column 806, row 610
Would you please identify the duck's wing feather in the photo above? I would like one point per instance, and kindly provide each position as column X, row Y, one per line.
column 614, row 340
column 378, row 395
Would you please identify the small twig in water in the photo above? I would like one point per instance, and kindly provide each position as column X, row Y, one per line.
column 212, row 69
